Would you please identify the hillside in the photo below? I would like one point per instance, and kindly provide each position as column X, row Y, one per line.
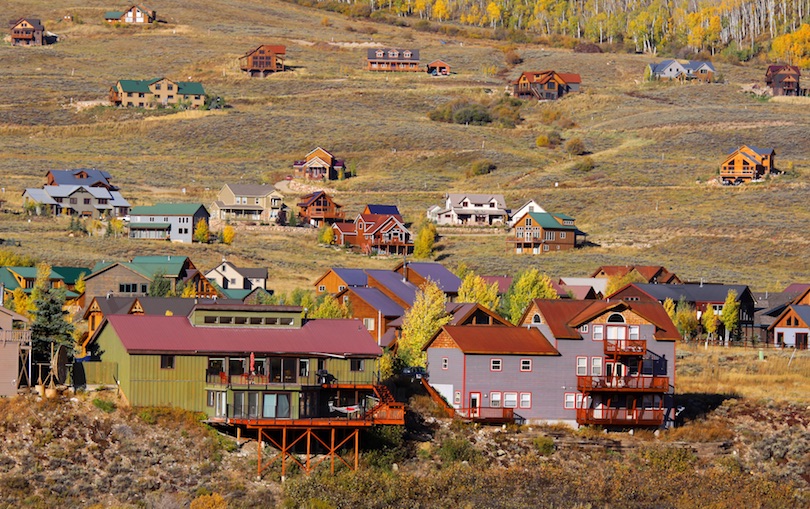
column 647, row 201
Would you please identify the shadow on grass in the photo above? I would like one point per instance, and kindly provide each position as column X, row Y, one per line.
column 697, row 405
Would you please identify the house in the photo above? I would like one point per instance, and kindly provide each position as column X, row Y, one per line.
column 167, row 221
column 784, row 80
column 263, row 60
column 545, row 85
column 319, row 208
column 97, row 202
column 529, row 206
column 15, row 351
column 438, row 68
column 133, row 278
column 542, row 232
column 254, row 202
column 674, row 70
column 747, row 163
column 596, row 285
column 392, row 59
column 375, row 233
column 704, row 298
column 373, row 308
column 655, row 274
column 418, row 273
column 470, row 209
column 319, row 164
column 27, row 32
column 157, row 92
column 338, row 279
column 134, row 14
column 88, row 177
column 792, row 327
column 770, row 305
column 24, row 278
column 227, row 276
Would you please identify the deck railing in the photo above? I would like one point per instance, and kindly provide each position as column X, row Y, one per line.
column 16, row 336
column 487, row 413
column 625, row 347
column 621, row 416
column 623, row 383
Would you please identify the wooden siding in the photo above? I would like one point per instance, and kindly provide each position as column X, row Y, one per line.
column 183, row 386
column 9, row 367
column 331, row 283
column 113, row 352
column 109, row 280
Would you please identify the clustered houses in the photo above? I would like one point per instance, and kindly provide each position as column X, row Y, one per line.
column 378, row 229
column 255, row 202
column 264, row 60
column 319, row 164
column 746, row 164
column 319, row 208
column 83, row 192
column 545, row 85
column 784, row 80
column 27, row 32
column 167, row 221
column 393, row 59
column 470, row 209
column 157, row 92
column 137, row 14
column 686, row 71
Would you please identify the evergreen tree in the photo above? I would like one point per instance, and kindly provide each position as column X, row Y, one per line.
column 526, row 287
column 474, row 289
column 421, row 322
column 160, row 285
column 730, row 314
column 50, row 324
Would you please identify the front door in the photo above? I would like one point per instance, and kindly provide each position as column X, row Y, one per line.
column 475, row 401
column 801, row 340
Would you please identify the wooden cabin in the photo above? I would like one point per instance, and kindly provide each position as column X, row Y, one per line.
column 543, row 232
column 783, row 79
column 264, row 60
column 319, row 164
column 319, row 208
column 438, row 68
column 27, row 32
column 747, row 163
column 545, row 85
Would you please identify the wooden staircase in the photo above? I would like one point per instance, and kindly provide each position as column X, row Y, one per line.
column 435, row 396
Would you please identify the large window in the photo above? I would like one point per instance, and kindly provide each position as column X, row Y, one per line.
column 495, row 399
column 510, row 400
column 246, row 404
column 283, row 370
column 276, row 405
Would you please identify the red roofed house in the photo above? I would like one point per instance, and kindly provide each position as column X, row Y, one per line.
column 783, row 79
column 438, row 68
column 650, row 273
column 746, row 164
column 545, row 85
column 318, row 208
column 380, row 233
column 319, row 164
column 263, row 60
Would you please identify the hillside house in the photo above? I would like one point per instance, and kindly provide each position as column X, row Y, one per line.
column 24, row 278
column 392, row 59
column 438, row 68
column 89, row 177
column 319, row 208
column 71, row 200
column 470, row 209
column 747, row 163
column 263, row 60
column 135, row 14
column 27, row 32
column 418, row 273
column 15, row 352
column 545, row 85
column 228, row 276
column 784, row 80
column 529, row 206
column 683, row 71
column 337, row 279
column 250, row 202
column 373, row 308
column 319, row 164
column 157, row 92
column 543, row 232
column 375, row 233
column 133, row 278
column 167, row 221
column 792, row 327
column 655, row 274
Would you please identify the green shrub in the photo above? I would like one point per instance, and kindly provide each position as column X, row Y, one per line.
column 481, row 167
column 458, row 449
column 475, row 114
column 104, row 405
column 544, row 445
column 584, row 165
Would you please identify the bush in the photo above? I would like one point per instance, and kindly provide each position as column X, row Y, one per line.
column 544, row 445
column 104, row 405
column 587, row 47
column 481, row 167
column 584, row 165
column 458, row 449
column 212, row 501
column 475, row 114
column 575, row 147
column 512, row 57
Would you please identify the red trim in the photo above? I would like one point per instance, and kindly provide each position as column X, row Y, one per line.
column 530, row 366
column 500, row 399
column 493, row 359
column 565, row 398
column 520, row 400
column 576, row 366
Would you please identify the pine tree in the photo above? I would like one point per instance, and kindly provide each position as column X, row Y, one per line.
column 50, row 324
column 160, row 285
column 421, row 322
column 526, row 287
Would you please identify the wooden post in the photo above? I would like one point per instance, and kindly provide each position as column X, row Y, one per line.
column 283, row 453
column 332, row 451
column 309, row 450
column 356, row 449
column 259, row 456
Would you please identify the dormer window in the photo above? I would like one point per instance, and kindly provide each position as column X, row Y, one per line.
column 406, row 54
column 393, row 53
column 380, row 53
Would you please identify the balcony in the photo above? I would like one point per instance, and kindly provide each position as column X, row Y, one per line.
column 625, row 347
column 15, row 336
column 621, row 416
column 654, row 384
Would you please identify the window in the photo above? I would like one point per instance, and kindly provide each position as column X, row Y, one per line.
column 548, row 236
column 445, row 363
column 634, row 332
column 87, row 201
column 167, row 362
column 128, row 288
column 562, row 235
column 582, row 366
column 583, row 328
column 357, row 364
column 570, row 400
column 369, row 323
column 74, row 201
column 598, row 332
column 157, row 86
column 495, row 364
column 274, row 405
column 322, row 288
column 615, row 318
column 510, row 400
column 528, row 221
column 536, row 318
column 210, row 319
column 545, row 247
column 525, row 364
column 596, row 366
column 303, row 367
column 170, row 87
column 495, row 399
column 525, row 400
column 341, row 288
column 144, row 288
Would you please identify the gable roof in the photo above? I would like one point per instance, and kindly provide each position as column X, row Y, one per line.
column 395, row 284
column 390, row 210
column 142, row 86
column 438, row 273
column 34, row 22
column 277, row 49
column 176, row 334
column 258, row 190
column 497, row 339
column 372, row 54
column 377, row 300
column 691, row 292
column 352, row 277
column 547, row 221
column 308, row 199
column 80, row 177
column 456, row 199
column 168, row 209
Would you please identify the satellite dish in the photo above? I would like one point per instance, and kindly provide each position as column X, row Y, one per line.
column 59, row 365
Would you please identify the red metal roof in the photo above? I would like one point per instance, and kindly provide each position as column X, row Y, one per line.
column 558, row 312
column 499, row 339
column 175, row 334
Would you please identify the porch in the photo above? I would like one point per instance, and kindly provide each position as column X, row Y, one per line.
column 621, row 416
column 638, row 383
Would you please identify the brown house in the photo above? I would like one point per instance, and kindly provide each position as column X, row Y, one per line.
column 318, row 208
column 373, row 307
column 393, row 59
column 438, row 68
column 27, row 32
column 319, row 164
column 650, row 273
column 746, row 164
column 263, row 60
column 542, row 232
column 783, row 79
column 545, row 85
column 137, row 14
column 133, row 279
column 380, row 233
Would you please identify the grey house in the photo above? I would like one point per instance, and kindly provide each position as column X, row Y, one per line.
column 167, row 221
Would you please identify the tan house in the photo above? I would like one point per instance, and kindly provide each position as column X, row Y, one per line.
column 134, row 14
column 263, row 60
column 254, row 202
column 27, row 32
column 747, row 163
column 157, row 92
column 319, row 164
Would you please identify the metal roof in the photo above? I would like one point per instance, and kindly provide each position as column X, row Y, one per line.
column 438, row 273
column 379, row 301
column 497, row 339
column 168, row 209
column 394, row 283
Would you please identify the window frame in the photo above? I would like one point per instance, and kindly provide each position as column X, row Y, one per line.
column 582, row 366
column 167, row 362
column 495, row 364
column 507, row 399
column 525, row 365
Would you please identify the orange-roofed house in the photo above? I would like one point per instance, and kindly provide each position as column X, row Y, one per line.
column 545, row 85
column 264, row 60
column 650, row 273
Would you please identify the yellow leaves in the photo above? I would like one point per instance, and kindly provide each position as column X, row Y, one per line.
column 793, row 49
column 441, row 10
column 228, row 235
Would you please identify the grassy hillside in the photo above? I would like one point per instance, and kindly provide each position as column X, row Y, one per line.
column 647, row 200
